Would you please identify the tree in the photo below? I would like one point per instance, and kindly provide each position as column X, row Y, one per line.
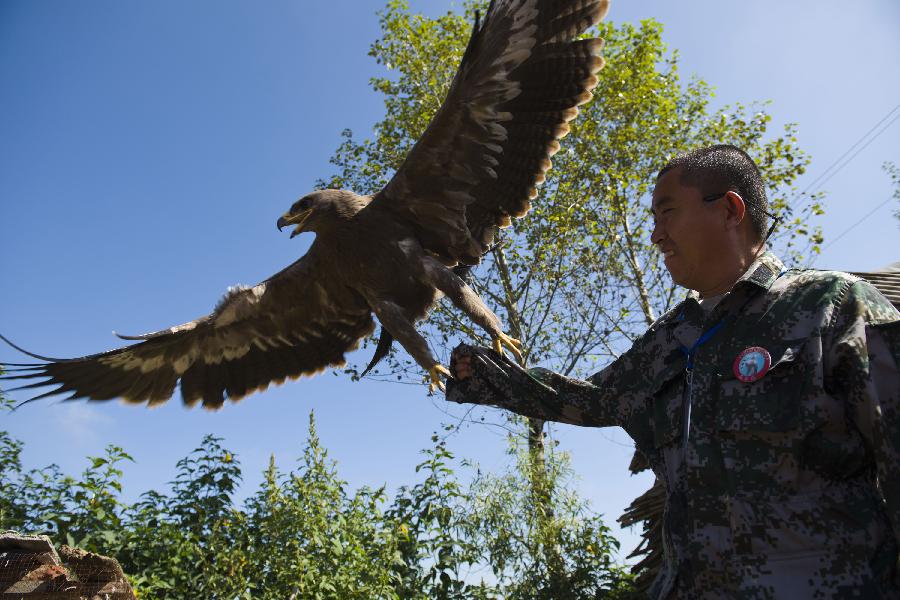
column 309, row 538
column 12, row 514
column 191, row 542
column 577, row 280
column 894, row 173
column 433, row 520
column 304, row 534
column 505, row 515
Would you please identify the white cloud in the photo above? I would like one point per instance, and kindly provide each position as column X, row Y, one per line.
column 82, row 424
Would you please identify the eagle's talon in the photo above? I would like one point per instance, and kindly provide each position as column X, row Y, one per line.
column 434, row 373
column 514, row 345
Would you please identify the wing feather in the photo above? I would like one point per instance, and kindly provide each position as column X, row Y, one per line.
column 295, row 323
column 521, row 80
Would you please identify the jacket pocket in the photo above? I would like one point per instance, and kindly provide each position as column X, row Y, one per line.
column 667, row 389
column 770, row 404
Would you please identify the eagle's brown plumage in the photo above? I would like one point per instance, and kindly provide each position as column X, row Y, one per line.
column 254, row 337
column 520, row 81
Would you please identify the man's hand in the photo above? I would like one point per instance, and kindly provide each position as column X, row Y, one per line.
column 460, row 364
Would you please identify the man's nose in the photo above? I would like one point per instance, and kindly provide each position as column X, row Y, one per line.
column 657, row 234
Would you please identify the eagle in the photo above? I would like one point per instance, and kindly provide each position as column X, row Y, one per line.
column 392, row 254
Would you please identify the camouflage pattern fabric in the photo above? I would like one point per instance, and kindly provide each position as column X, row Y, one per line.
column 781, row 480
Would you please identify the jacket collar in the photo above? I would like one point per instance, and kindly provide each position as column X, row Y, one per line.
column 686, row 320
column 761, row 274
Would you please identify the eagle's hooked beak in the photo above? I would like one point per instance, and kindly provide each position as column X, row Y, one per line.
column 290, row 219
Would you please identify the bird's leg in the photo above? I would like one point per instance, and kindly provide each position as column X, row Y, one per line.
column 401, row 326
column 465, row 298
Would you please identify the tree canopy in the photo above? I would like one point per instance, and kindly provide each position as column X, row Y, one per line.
column 304, row 533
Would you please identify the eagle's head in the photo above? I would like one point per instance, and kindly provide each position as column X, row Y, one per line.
column 320, row 210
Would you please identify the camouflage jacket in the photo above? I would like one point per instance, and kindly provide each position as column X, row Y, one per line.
column 780, row 447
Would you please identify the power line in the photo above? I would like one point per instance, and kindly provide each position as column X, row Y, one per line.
column 825, row 174
column 863, row 147
column 863, row 218
column 852, row 152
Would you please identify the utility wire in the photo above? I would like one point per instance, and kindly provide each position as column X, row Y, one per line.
column 824, row 176
column 863, row 218
column 851, row 153
column 863, row 147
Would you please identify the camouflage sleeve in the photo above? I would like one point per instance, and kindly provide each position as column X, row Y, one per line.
column 862, row 361
column 537, row 393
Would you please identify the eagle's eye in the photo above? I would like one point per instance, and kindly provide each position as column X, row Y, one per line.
column 303, row 204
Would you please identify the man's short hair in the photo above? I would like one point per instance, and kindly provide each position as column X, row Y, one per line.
column 723, row 168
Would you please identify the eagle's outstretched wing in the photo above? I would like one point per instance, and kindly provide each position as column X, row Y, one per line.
column 520, row 81
column 295, row 323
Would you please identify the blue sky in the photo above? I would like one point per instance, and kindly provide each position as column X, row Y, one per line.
column 148, row 148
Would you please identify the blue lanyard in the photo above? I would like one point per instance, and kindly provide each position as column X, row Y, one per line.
column 702, row 340
column 689, row 372
column 689, row 379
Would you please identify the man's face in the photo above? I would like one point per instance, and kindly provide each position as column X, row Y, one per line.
column 689, row 232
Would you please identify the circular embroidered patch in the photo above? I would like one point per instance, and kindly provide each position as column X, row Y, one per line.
column 751, row 364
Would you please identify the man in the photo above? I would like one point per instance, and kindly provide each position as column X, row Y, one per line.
column 766, row 402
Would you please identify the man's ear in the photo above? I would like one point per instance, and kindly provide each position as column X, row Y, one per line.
column 735, row 209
